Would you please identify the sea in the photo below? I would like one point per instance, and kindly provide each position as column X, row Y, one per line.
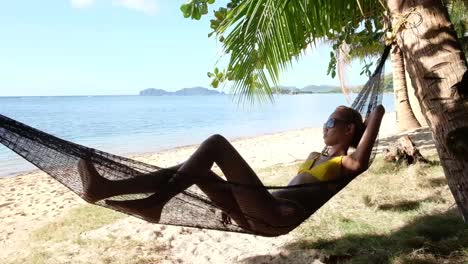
column 130, row 125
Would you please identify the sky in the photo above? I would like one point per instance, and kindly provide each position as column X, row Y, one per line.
column 119, row 47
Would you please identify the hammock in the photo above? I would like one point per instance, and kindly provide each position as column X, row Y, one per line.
column 191, row 208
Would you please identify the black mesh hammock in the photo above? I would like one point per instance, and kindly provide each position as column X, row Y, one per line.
column 59, row 158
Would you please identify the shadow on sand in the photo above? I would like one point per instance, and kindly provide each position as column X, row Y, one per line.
column 433, row 237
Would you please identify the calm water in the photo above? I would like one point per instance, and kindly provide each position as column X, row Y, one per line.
column 132, row 124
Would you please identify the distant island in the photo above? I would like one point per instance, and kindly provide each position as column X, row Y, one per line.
column 309, row 89
column 181, row 92
column 314, row 89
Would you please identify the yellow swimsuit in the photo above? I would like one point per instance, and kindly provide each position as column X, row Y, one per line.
column 325, row 171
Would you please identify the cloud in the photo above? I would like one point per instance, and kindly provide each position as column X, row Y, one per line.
column 146, row 6
column 82, row 3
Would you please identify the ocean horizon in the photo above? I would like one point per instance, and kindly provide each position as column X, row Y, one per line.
column 132, row 124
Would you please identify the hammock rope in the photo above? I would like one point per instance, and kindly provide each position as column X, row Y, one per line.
column 192, row 208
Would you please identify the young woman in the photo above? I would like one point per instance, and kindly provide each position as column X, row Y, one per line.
column 254, row 209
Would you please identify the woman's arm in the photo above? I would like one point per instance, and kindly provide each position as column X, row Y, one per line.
column 358, row 161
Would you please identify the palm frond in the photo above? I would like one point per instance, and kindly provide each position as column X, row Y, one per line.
column 262, row 37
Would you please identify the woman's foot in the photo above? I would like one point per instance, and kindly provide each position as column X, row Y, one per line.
column 95, row 187
column 149, row 209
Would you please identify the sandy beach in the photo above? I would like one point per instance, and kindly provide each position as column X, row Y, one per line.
column 32, row 200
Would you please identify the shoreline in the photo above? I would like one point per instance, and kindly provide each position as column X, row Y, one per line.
column 388, row 128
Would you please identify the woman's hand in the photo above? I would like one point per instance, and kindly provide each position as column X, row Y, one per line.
column 377, row 109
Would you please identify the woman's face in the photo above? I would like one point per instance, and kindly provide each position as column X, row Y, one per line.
column 337, row 129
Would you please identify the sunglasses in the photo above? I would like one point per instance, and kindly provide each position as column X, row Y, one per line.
column 331, row 122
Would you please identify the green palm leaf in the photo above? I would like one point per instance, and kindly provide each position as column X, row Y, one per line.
column 262, row 37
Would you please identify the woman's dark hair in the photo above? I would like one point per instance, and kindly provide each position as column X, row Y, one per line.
column 354, row 117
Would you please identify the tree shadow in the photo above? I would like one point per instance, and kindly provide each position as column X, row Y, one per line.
column 437, row 182
column 434, row 237
column 401, row 206
column 404, row 206
column 290, row 256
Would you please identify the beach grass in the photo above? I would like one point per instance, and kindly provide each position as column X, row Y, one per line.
column 390, row 214
column 109, row 250
column 393, row 213
column 61, row 240
column 77, row 221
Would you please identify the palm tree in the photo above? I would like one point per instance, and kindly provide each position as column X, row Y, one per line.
column 437, row 64
column 409, row 115
column 262, row 37
column 406, row 120
column 458, row 13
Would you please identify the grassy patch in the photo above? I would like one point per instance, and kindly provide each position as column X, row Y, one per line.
column 77, row 221
column 393, row 213
column 278, row 175
column 115, row 251
column 60, row 241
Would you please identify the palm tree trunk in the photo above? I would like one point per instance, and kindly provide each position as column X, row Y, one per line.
column 415, row 105
column 437, row 65
column 405, row 116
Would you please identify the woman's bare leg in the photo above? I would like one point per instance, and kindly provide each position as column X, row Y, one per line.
column 254, row 202
column 213, row 186
column 96, row 187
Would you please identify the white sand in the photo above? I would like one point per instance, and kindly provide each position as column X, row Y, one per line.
column 29, row 201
